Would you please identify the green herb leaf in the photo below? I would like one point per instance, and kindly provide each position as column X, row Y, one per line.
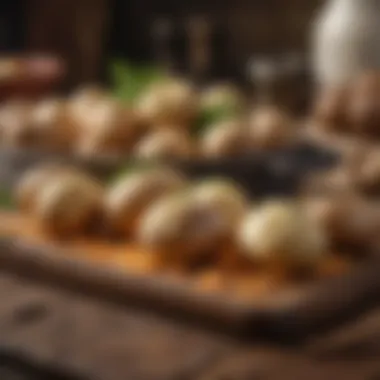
column 6, row 200
column 134, row 166
column 129, row 80
column 208, row 117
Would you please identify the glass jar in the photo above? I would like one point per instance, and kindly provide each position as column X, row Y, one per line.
column 346, row 40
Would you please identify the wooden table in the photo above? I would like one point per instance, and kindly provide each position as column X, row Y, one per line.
column 84, row 337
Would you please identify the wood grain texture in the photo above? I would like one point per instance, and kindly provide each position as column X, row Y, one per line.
column 96, row 341
column 245, row 306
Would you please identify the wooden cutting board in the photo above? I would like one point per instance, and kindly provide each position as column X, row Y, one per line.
column 248, row 283
column 244, row 302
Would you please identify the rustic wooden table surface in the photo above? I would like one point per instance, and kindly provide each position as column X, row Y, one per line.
column 57, row 331
column 84, row 337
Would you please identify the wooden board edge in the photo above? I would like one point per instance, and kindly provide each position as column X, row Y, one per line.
column 288, row 318
column 52, row 268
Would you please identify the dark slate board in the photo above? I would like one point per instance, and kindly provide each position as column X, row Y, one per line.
column 263, row 174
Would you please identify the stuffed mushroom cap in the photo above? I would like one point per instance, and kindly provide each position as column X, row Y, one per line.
column 224, row 195
column 109, row 128
column 226, row 139
column 84, row 100
column 51, row 121
column 281, row 232
column 34, row 180
column 348, row 220
column 88, row 93
column 219, row 97
column 172, row 102
column 110, row 118
column 15, row 124
column 179, row 230
column 165, row 144
column 131, row 195
column 271, row 128
column 331, row 109
column 68, row 205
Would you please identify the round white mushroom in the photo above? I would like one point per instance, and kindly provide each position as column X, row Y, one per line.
column 130, row 196
column 88, row 93
column 281, row 232
column 52, row 124
column 271, row 128
column 179, row 230
column 109, row 128
column 165, row 144
column 225, row 139
column 225, row 196
column 68, row 205
column 15, row 124
column 221, row 96
column 83, row 102
column 172, row 102
column 347, row 219
column 34, row 180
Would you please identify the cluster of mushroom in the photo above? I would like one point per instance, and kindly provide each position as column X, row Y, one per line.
column 181, row 222
column 88, row 120
column 161, row 124
column 265, row 128
column 354, row 109
column 356, row 174
column 352, row 222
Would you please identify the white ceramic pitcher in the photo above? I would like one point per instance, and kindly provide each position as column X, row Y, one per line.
column 346, row 40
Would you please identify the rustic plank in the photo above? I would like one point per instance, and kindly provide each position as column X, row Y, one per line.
column 111, row 343
column 274, row 310
column 101, row 342
column 277, row 365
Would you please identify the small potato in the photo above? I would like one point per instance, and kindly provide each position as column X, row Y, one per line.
column 181, row 232
column 34, row 180
column 127, row 199
column 223, row 195
column 270, row 128
column 68, row 205
column 172, row 102
column 282, row 233
column 165, row 144
column 227, row 139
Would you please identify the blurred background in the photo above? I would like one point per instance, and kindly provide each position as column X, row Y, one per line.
column 207, row 39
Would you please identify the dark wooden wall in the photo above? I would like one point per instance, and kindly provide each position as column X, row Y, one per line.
column 87, row 31
column 74, row 29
